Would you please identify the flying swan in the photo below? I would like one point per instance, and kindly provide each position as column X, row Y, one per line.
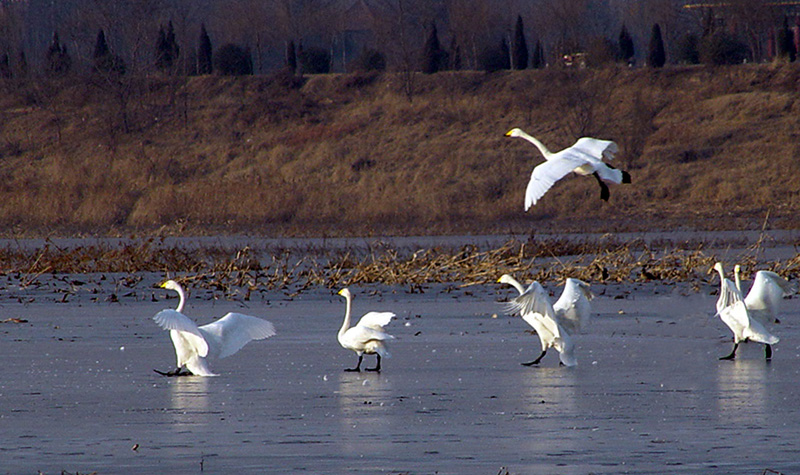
column 367, row 336
column 554, row 324
column 193, row 344
column 732, row 310
column 585, row 157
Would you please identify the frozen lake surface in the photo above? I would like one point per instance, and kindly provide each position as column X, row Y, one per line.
column 648, row 396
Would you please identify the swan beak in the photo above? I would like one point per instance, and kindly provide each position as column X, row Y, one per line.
column 340, row 292
column 508, row 134
column 163, row 285
column 498, row 280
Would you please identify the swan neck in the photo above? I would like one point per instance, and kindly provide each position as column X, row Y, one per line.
column 536, row 142
column 738, row 279
column 346, row 323
column 721, row 276
column 181, row 298
column 517, row 285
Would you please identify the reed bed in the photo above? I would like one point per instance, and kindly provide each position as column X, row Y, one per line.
column 239, row 272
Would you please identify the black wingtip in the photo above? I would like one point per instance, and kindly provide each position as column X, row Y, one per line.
column 626, row 177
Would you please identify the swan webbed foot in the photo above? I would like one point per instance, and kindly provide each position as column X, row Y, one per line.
column 732, row 355
column 357, row 369
column 768, row 352
column 377, row 368
column 536, row 361
column 175, row 373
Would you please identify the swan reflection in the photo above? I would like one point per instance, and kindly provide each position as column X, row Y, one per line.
column 364, row 401
column 189, row 397
column 742, row 390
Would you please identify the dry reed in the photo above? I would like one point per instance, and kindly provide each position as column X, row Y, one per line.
column 239, row 272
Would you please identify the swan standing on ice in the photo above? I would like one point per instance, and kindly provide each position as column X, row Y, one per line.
column 585, row 157
column 219, row 339
column 367, row 336
column 554, row 324
column 765, row 295
column 732, row 310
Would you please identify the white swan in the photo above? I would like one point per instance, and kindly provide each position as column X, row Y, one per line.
column 554, row 324
column 765, row 295
column 367, row 336
column 732, row 310
column 585, row 157
column 219, row 339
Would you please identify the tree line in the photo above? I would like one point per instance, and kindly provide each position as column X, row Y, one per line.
column 237, row 37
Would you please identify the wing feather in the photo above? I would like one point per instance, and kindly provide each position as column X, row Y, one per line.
column 572, row 309
column 174, row 320
column 233, row 331
column 766, row 295
column 533, row 300
column 375, row 320
column 546, row 174
column 597, row 148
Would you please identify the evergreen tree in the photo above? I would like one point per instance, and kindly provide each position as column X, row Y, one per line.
column 784, row 42
column 167, row 50
column 315, row 60
column 22, row 62
column 291, row 57
column 455, row 55
column 656, row 56
column 204, row 53
column 101, row 53
column 519, row 48
column 432, row 53
column 626, row 50
column 537, row 62
column 100, row 45
column 102, row 59
column 233, row 60
column 5, row 66
column 58, row 59
column 505, row 54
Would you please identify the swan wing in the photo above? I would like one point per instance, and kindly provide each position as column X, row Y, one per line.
column 728, row 295
column 233, row 331
column 755, row 331
column 766, row 294
column 546, row 174
column 566, row 350
column 189, row 332
column 533, row 300
column 736, row 318
column 596, row 148
column 548, row 330
column 572, row 310
column 358, row 336
column 375, row 320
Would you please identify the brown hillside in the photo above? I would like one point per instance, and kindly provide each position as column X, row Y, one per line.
column 707, row 148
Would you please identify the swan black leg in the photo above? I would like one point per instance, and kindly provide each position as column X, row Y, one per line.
column 768, row 352
column 377, row 367
column 733, row 353
column 174, row 372
column 358, row 366
column 536, row 361
column 604, row 193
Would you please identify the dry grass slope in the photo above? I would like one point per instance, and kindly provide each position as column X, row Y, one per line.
column 707, row 148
